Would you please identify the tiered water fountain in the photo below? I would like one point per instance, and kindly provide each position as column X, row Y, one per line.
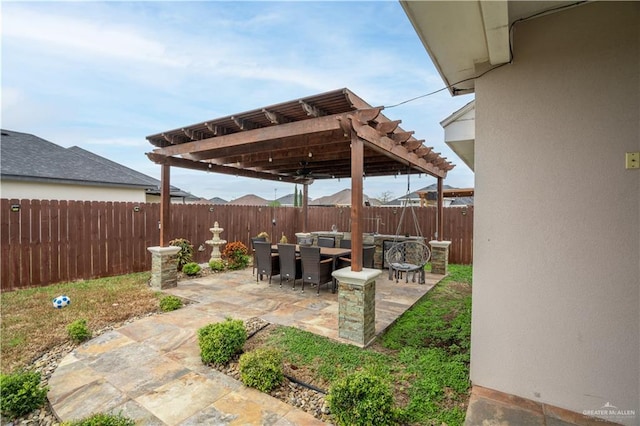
column 216, row 242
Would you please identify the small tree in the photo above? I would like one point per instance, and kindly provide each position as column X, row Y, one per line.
column 385, row 196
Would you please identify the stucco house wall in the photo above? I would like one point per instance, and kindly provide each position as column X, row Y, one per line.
column 54, row 191
column 556, row 298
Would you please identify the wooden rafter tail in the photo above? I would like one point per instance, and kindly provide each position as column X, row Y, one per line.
column 401, row 137
column 156, row 158
column 423, row 150
column 439, row 162
column 244, row 124
column 345, row 125
column 386, row 127
column 311, row 110
column 168, row 138
column 275, row 117
column 213, row 129
column 449, row 166
column 366, row 115
column 413, row 144
column 192, row 134
column 432, row 156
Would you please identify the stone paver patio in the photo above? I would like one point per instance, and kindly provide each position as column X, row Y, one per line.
column 150, row 370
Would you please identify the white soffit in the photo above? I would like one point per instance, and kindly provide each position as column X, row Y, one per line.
column 495, row 17
column 459, row 35
column 460, row 133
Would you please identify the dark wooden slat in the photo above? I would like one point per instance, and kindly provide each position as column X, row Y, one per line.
column 25, row 242
column 64, row 250
column 54, row 217
column 45, row 241
column 6, row 270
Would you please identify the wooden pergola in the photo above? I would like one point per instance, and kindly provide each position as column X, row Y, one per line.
column 326, row 136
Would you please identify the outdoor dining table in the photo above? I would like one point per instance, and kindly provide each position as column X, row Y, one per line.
column 327, row 252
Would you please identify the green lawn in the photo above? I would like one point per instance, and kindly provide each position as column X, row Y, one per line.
column 425, row 354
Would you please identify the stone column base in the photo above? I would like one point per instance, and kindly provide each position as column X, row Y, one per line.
column 357, row 305
column 164, row 267
column 439, row 257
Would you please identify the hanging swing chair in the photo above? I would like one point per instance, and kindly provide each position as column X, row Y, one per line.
column 409, row 256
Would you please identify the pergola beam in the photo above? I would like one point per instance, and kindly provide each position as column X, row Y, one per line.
column 321, row 124
column 210, row 167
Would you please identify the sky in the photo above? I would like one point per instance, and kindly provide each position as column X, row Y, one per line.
column 104, row 75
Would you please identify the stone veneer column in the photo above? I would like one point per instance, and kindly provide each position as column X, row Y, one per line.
column 439, row 256
column 164, row 267
column 357, row 304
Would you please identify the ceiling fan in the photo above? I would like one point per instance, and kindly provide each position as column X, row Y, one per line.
column 304, row 172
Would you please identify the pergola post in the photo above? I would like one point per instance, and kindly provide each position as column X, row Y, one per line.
column 439, row 248
column 357, row 171
column 165, row 204
column 164, row 258
column 305, row 207
column 439, row 221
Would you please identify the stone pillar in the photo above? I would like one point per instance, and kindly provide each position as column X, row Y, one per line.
column 439, row 256
column 357, row 304
column 164, row 267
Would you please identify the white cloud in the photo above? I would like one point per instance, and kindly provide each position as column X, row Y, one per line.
column 78, row 37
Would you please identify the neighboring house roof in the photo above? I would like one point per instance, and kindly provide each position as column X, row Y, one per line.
column 249, row 200
column 414, row 196
column 218, row 200
column 286, row 200
column 341, row 198
column 27, row 157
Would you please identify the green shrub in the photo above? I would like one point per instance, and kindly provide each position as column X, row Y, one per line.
column 170, row 303
column 79, row 331
column 21, row 393
column 191, row 268
column 261, row 369
column 185, row 255
column 362, row 399
column 102, row 419
column 220, row 341
column 237, row 255
column 216, row 265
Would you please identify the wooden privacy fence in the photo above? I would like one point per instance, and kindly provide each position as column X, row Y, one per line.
column 44, row 242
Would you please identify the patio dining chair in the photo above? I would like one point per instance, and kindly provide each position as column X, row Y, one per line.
column 345, row 244
column 253, row 252
column 315, row 270
column 290, row 264
column 326, row 242
column 367, row 258
column 268, row 263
